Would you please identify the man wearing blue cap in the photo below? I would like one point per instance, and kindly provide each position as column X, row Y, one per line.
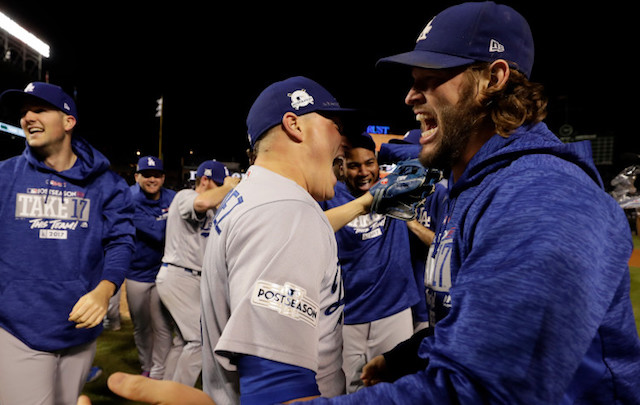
column 271, row 288
column 530, row 300
column 374, row 255
column 151, row 329
column 189, row 223
column 67, row 239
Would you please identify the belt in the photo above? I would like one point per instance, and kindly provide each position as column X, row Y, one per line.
column 194, row 272
column 197, row 273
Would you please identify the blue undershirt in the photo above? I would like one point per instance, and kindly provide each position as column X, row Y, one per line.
column 265, row 381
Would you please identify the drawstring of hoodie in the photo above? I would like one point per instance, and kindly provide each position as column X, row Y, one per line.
column 46, row 198
column 64, row 185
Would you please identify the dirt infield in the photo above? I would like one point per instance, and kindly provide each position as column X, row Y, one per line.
column 634, row 261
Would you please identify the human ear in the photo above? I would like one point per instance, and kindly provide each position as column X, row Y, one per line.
column 499, row 71
column 69, row 122
column 291, row 126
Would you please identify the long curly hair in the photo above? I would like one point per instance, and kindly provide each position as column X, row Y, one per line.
column 519, row 102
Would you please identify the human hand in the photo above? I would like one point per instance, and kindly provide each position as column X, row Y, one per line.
column 231, row 181
column 374, row 371
column 91, row 308
column 153, row 392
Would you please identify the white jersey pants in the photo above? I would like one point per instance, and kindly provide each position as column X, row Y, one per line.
column 151, row 327
column 30, row 376
column 179, row 290
column 363, row 342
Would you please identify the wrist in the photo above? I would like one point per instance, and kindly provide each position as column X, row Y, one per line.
column 365, row 201
column 106, row 288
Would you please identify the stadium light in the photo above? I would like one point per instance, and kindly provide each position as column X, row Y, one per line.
column 23, row 35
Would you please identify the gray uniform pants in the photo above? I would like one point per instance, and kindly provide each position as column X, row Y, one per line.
column 33, row 377
column 363, row 342
column 179, row 290
column 151, row 327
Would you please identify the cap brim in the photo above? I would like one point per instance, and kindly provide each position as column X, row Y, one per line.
column 426, row 59
column 12, row 101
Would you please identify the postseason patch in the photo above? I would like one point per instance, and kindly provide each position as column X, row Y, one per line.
column 288, row 300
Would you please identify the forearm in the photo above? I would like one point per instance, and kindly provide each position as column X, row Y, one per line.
column 342, row 215
column 210, row 199
column 423, row 233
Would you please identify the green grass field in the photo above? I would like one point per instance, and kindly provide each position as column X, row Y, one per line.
column 116, row 350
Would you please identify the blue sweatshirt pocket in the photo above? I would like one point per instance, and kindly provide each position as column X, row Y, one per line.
column 37, row 313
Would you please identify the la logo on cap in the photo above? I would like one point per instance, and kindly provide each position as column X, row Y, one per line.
column 300, row 98
column 425, row 31
column 30, row 87
column 208, row 172
column 151, row 162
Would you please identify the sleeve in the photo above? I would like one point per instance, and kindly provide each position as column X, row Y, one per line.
column 269, row 382
column 148, row 228
column 119, row 233
column 403, row 359
column 542, row 264
column 185, row 199
column 278, row 260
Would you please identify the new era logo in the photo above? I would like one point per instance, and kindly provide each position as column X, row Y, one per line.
column 495, row 46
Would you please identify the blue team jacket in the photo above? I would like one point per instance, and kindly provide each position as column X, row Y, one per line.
column 61, row 234
column 150, row 220
column 538, row 309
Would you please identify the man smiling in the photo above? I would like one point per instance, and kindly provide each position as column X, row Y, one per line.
column 60, row 264
column 373, row 250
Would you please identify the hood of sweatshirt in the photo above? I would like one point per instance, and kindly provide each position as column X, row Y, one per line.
column 500, row 152
column 90, row 162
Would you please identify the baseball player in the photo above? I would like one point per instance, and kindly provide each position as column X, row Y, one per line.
column 67, row 239
column 271, row 286
column 373, row 250
column 151, row 331
column 531, row 275
column 178, row 281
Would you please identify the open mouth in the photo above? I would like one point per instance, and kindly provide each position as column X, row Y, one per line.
column 363, row 183
column 429, row 127
column 34, row 130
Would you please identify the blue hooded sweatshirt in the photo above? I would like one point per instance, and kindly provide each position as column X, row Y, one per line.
column 62, row 233
column 532, row 260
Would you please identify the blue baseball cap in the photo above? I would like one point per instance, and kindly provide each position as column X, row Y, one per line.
column 472, row 32
column 298, row 94
column 364, row 140
column 14, row 99
column 216, row 171
column 150, row 163
column 413, row 136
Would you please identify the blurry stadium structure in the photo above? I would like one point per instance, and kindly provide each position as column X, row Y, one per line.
column 21, row 48
column 21, row 58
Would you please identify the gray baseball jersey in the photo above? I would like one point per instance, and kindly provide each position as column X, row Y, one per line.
column 271, row 285
column 187, row 232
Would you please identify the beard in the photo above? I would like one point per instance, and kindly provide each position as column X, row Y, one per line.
column 456, row 123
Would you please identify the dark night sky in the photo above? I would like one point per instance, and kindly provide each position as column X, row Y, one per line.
column 210, row 65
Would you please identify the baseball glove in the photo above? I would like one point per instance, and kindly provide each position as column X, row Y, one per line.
column 404, row 190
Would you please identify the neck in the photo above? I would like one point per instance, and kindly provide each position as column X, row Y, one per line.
column 475, row 143
column 152, row 196
column 60, row 161
column 283, row 167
